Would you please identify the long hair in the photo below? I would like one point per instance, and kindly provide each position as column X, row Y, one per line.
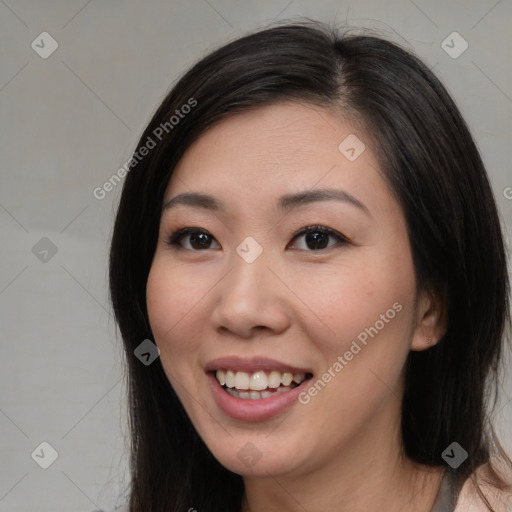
column 431, row 163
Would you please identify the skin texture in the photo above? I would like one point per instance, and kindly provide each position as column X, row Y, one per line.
column 298, row 305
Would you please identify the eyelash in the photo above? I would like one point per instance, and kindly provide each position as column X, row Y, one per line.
column 176, row 236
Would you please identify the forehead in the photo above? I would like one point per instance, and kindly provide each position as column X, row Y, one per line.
column 276, row 149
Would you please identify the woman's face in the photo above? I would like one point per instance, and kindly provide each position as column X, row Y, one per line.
column 248, row 299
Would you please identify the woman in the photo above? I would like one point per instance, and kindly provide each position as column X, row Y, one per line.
column 308, row 235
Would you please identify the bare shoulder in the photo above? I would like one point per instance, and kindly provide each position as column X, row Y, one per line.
column 471, row 500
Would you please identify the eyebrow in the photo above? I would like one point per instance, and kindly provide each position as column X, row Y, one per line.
column 285, row 203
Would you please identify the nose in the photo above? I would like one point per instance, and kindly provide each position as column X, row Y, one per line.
column 251, row 300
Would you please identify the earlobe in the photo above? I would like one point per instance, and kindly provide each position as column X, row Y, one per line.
column 430, row 323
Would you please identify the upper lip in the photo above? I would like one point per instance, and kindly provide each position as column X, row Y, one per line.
column 252, row 364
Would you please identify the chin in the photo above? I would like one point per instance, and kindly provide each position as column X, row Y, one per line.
column 258, row 456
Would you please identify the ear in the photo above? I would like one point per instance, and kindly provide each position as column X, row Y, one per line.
column 430, row 321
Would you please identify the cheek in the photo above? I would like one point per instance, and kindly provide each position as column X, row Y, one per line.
column 362, row 326
column 171, row 300
column 364, row 345
column 352, row 300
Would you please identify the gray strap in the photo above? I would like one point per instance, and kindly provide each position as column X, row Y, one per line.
column 447, row 496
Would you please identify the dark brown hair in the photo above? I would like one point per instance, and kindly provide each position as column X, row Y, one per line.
column 433, row 167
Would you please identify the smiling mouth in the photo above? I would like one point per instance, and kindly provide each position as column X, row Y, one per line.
column 260, row 384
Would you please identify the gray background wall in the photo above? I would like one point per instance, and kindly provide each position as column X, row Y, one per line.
column 69, row 121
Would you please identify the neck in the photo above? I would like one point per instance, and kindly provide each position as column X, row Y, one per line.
column 371, row 474
column 406, row 488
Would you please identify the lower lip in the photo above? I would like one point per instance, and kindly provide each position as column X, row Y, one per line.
column 253, row 410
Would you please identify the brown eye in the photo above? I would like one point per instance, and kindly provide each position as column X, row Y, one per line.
column 318, row 238
column 193, row 239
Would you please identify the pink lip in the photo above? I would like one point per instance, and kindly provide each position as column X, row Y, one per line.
column 253, row 410
column 252, row 364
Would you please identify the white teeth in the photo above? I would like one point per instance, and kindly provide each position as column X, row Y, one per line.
column 298, row 377
column 286, row 379
column 256, row 395
column 258, row 381
column 242, row 380
column 230, row 379
column 274, row 379
column 221, row 377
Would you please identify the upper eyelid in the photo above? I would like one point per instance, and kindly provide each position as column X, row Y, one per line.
column 319, row 227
